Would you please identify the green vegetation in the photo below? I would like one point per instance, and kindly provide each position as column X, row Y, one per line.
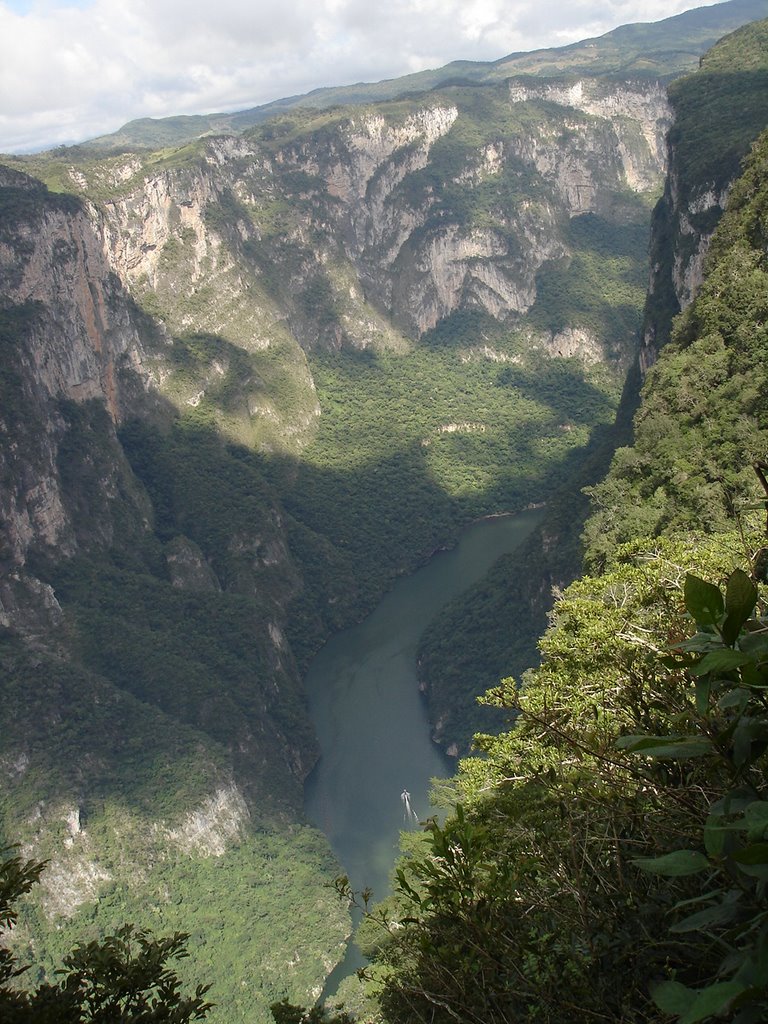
column 79, row 170
column 395, row 469
column 238, row 909
column 562, row 868
column 662, row 49
column 702, row 424
column 608, row 857
column 164, row 697
column 601, row 285
column 124, row 977
column 719, row 112
column 129, row 775
column 212, row 557
column 493, row 629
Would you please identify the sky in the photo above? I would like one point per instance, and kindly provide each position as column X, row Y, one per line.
column 74, row 69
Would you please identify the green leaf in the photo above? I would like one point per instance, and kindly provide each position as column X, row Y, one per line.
column 750, row 1015
column 672, row 997
column 715, row 836
column 755, row 853
column 666, row 746
column 737, row 698
column 721, row 661
column 748, row 733
column 756, row 818
column 711, row 1000
column 703, row 689
column 700, row 643
column 705, row 897
column 755, row 643
column 703, row 600
column 756, row 678
column 740, row 600
column 723, row 913
column 758, row 871
column 674, row 865
column 735, row 801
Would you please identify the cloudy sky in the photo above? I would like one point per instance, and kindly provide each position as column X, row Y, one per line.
column 74, row 69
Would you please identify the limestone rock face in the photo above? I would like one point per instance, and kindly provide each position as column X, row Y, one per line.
column 69, row 335
column 688, row 265
column 80, row 360
column 187, row 566
column 54, row 258
column 185, row 291
column 386, row 200
column 211, row 828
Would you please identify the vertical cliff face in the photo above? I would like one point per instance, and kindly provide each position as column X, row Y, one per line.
column 167, row 313
column 719, row 111
column 368, row 228
column 81, row 362
column 462, row 203
column 68, row 332
column 683, row 224
column 163, row 560
column 151, row 722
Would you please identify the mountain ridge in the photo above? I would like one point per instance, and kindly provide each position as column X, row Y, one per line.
column 704, row 27
column 248, row 383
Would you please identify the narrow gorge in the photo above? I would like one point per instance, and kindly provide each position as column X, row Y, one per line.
column 249, row 382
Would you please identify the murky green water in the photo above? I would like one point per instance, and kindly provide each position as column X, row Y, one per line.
column 370, row 718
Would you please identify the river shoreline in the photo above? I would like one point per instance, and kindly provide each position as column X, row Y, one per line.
column 369, row 715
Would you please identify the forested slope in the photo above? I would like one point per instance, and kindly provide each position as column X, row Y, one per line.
column 609, row 861
column 718, row 113
column 246, row 383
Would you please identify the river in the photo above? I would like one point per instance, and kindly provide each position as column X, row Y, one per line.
column 371, row 720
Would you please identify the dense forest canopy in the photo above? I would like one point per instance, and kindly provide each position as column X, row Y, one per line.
column 608, row 857
column 314, row 419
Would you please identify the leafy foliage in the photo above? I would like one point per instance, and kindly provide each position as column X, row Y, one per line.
column 720, row 109
column 124, row 977
column 562, row 868
column 608, row 857
column 702, row 422
column 391, row 477
column 719, row 112
column 727, row 663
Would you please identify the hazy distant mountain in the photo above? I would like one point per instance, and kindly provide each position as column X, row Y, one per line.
column 662, row 49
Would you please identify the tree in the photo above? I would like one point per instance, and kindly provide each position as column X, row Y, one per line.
column 122, row 979
column 610, row 860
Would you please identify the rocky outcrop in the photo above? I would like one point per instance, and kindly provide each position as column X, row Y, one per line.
column 390, row 195
column 69, row 336
column 693, row 240
column 638, row 113
column 52, row 257
column 197, row 283
column 212, row 828
column 682, row 227
column 79, row 360
column 378, row 219
column 188, row 567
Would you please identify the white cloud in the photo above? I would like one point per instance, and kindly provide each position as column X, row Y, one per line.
column 72, row 70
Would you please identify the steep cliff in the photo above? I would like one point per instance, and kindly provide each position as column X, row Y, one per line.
column 154, row 742
column 404, row 213
column 67, row 329
column 249, row 382
column 719, row 111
